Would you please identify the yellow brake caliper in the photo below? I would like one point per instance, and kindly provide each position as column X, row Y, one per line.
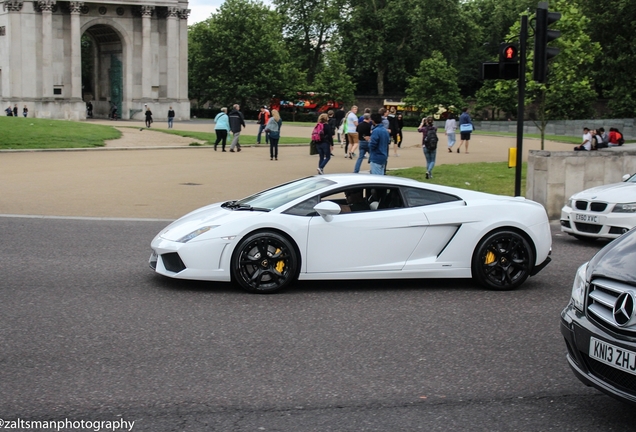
column 490, row 258
column 280, row 265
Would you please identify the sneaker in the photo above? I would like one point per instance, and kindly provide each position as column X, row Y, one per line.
column 319, row 171
column 450, row 150
column 231, row 150
column 428, row 174
column 238, row 149
column 223, row 150
column 457, row 150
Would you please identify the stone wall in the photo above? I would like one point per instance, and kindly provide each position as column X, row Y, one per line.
column 561, row 127
column 554, row 176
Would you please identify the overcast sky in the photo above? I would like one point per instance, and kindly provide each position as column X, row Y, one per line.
column 202, row 9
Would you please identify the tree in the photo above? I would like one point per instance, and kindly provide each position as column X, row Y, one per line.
column 434, row 84
column 238, row 56
column 333, row 79
column 309, row 27
column 613, row 29
column 569, row 91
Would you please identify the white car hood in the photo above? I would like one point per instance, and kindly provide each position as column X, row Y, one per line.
column 203, row 217
column 613, row 193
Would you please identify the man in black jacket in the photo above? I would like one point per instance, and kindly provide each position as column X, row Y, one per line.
column 237, row 123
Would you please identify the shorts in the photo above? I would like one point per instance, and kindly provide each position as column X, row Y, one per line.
column 465, row 136
column 353, row 138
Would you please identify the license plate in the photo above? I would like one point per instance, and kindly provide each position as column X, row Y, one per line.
column 585, row 218
column 612, row 355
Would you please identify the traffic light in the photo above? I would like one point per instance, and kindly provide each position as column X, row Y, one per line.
column 508, row 61
column 542, row 36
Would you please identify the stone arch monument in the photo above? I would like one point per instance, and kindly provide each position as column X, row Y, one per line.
column 136, row 52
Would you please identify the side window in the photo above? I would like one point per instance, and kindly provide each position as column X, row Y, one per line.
column 305, row 208
column 416, row 197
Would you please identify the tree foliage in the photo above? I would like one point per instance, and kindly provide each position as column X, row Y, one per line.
column 334, row 80
column 434, row 84
column 238, row 56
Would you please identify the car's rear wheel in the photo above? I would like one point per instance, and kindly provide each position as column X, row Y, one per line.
column 502, row 260
column 264, row 262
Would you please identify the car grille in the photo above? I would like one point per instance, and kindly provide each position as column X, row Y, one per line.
column 172, row 262
column 601, row 297
column 588, row 228
column 591, row 206
column 617, row 378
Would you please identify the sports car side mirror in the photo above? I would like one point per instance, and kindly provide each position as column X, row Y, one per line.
column 327, row 209
column 626, row 176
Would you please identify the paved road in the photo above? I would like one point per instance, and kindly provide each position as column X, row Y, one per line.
column 88, row 332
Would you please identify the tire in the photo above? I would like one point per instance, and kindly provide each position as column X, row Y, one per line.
column 265, row 262
column 502, row 260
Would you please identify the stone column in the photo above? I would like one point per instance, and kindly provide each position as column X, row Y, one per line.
column 76, row 50
column 183, row 58
column 146, row 53
column 12, row 66
column 172, row 90
column 46, row 6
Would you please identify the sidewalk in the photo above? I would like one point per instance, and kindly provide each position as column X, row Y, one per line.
column 148, row 174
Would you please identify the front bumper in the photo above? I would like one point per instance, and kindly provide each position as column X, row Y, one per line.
column 596, row 225
column 196, row 260
column 577, row 330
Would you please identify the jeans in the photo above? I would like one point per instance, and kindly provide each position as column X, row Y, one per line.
column 261, row 128
column 364, row 148
column 324, row 151
column 451, row 139
column 273, row 148
column 430, row 158
column 377, row 168
column 170, row 121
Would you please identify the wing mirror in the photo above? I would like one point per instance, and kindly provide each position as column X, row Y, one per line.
column 327, row 209
column 626, row 176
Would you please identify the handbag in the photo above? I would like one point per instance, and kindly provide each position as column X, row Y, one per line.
column 466, row 127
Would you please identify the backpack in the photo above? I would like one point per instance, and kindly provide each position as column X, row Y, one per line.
column 430, row 141
column 621, row 140
column 318, row 133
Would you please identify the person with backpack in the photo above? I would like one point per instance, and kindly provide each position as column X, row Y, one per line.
column 322, row 137
column 615, row 138
column 429, row 144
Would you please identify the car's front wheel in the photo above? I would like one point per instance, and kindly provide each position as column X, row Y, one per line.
column 502, row 260
column 264, row 262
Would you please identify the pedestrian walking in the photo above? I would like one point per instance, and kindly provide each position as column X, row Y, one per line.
column 15, row 110
column 323, row 137
column 148, row 114
column 364, row 135
column 429, row 144
column 262, row 120
column 237, row 123
column 449, row 130
column 221, row 128
column 25, row 111
column 273, row 130
column 378, row 145
column 465, row 129
column 170, row 118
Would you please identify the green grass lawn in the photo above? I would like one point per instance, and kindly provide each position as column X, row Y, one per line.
column 491, row 177
column 210, row 137
column 31, row 133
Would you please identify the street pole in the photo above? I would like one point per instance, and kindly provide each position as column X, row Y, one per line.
column 521, row 101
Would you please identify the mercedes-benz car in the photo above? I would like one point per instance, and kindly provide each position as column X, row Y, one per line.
column 606, row 211
column 352, row 226
column 599, row 323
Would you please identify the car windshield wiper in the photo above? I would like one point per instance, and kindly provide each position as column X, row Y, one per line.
column 230, row 204
column 250, row 208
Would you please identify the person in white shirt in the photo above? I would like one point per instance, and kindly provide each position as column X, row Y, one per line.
column 449, row 130
column 352, row 124
column 586, row 145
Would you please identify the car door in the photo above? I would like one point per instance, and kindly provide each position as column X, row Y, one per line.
column 374, row 240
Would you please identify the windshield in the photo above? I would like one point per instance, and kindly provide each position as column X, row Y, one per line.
column 285, row 193
column 632, row 179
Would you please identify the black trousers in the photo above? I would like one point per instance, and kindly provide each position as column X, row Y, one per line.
column 221, row 135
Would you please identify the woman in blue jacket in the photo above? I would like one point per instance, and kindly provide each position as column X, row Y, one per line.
column 222, row 128
column 467, row 128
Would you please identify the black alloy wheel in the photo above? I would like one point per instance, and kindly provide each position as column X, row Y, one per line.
column 502, row 260
column 264, row 262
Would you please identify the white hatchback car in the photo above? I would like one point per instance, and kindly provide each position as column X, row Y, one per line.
column 606, row 211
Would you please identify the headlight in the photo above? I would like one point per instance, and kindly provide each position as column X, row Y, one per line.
column 571, row 203
column 196, row 233
column 624, row 208
column 578, row 288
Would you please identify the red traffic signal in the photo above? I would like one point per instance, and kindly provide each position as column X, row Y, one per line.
column 508, row 53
